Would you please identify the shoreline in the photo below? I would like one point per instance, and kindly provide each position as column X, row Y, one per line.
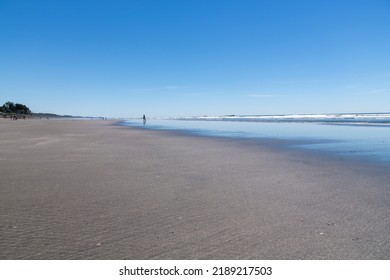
column 98, row 190
column 301, row 146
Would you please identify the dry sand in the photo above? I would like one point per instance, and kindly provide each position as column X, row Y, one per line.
column 93, row 190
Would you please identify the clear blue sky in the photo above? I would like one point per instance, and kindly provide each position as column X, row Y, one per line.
column 183, row 58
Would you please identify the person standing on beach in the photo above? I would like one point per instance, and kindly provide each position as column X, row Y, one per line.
column 144, row 119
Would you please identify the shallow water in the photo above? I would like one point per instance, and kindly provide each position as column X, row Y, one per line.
column 363, row 142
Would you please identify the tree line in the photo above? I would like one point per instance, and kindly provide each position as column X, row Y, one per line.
column 14, row 109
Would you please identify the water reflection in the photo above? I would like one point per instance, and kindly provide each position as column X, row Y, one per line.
column 368, row 142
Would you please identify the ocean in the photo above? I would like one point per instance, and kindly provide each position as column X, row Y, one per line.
column 364, row 137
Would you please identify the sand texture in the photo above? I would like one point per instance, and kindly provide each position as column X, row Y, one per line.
column 95, row 190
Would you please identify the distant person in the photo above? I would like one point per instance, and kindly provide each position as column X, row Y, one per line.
column 144, row 119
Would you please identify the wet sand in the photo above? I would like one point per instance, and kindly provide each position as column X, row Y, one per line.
column 94, row 190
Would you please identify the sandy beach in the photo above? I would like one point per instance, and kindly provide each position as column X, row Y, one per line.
column 96, row 190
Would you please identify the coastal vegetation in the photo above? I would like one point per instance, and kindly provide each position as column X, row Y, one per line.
column 15, row 110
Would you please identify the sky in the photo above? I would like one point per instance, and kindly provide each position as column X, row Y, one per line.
column 162, row 58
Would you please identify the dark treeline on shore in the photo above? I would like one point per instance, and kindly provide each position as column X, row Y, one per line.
column 12, row 108
column 15, row 111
